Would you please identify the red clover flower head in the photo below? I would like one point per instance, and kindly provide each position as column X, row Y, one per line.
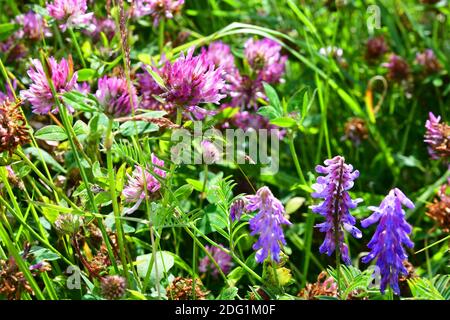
column 71, row 12
column 333, row 188
column 376, row 48
column 252, row 121
column 398, row 68
column 39, row 94
column 267, row 224
column 158, row 9
column 114, row 96
column 222, row 258
column 190, row 81
column 264, row 56
column 391, row 234
column 428, row 61
column 34, row 26
column 220, row 54
column 134, row 192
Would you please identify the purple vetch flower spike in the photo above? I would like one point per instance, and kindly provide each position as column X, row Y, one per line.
column 264, row 56
column 134, row 191
column 189, row 82
column 222, row 258
column 333, row 188
column 114, row 95
column 390, row 236
column 39, row 94
column 71, row 12
column 267, row 224
column 158, row 9
column 437, row 137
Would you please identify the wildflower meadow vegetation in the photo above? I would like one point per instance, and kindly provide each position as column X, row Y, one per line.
column 224, row 150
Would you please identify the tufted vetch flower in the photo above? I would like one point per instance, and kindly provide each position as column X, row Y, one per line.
column 390, row 236
column 267, row 224
column 333, row 188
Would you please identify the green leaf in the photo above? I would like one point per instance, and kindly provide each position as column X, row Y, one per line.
column 137, row 295
column 164, row 262
column 86, row 74
column 51, row 133
column 269, row 112
column 437, row 288
column 197, row 184
column 7, row 29
column 297, row 100
column 135, row 128
column 228, row 294
column 80, row 101
column 284, row 122
column 42, row 254
column 294, row 204
column 80, row 128
column 272, row 95
column 409, row 161
column 156, row 77
column 47, row 158
column 183, row 192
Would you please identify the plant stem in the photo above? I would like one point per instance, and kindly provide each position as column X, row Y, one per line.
column 112, row 190
column 161, row 35
column 295, row 158
column 77, row 46
column 21, row 263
